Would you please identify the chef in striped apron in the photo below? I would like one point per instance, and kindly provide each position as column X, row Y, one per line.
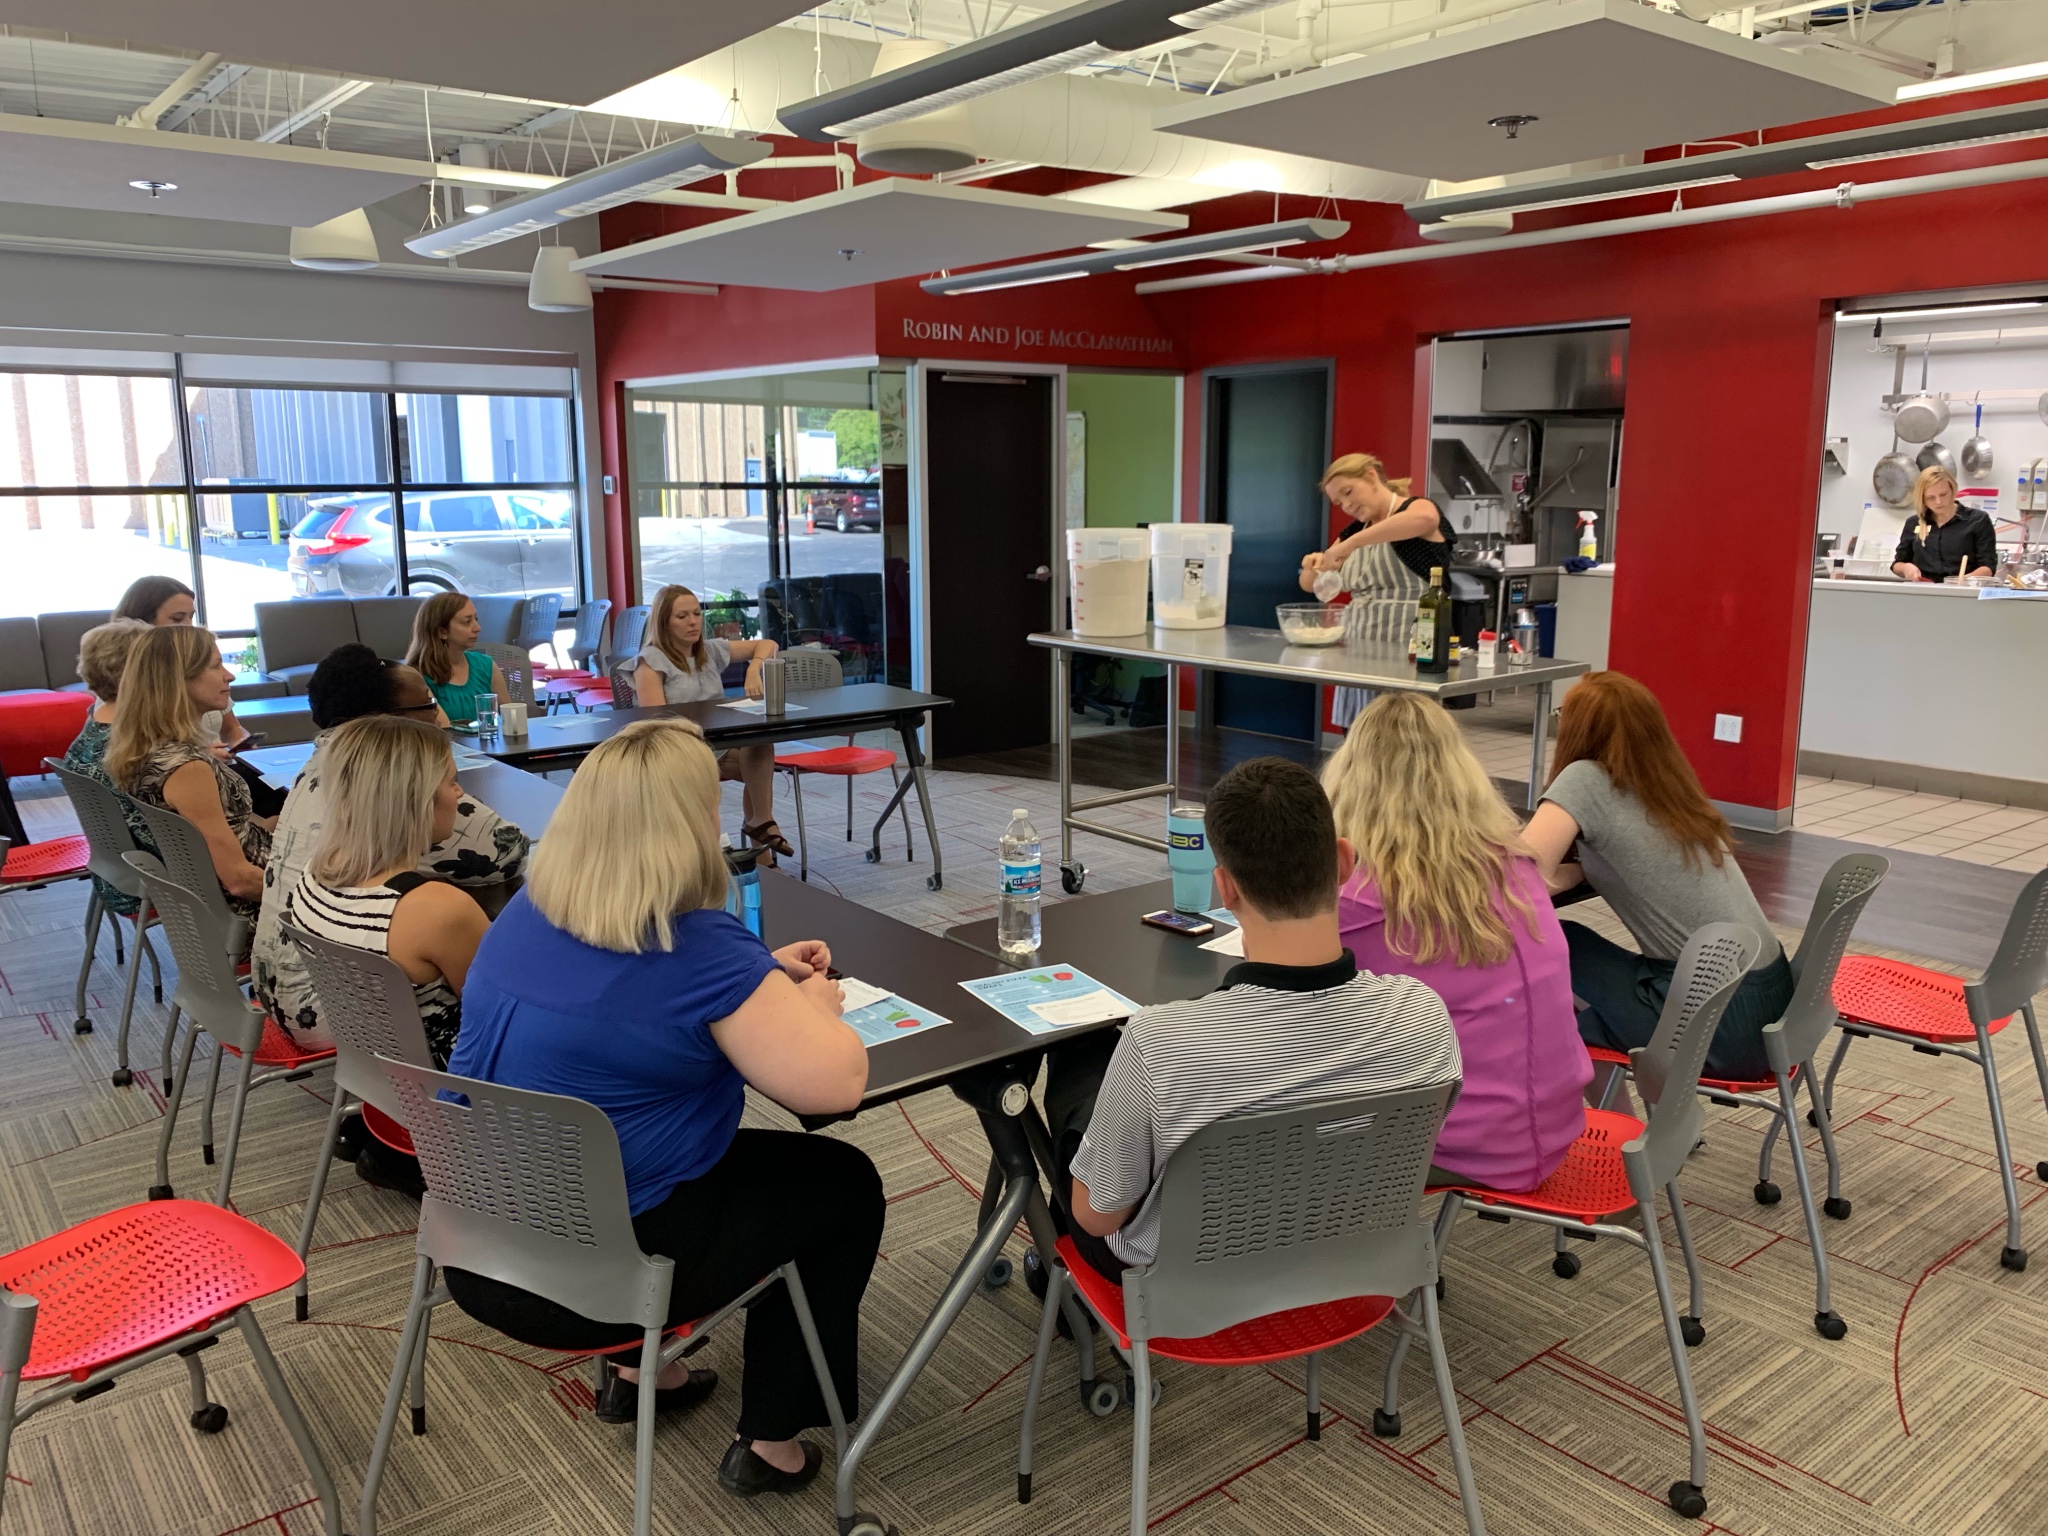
column 1383, row 559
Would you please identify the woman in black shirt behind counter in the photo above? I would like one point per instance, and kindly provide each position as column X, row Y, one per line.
column 1946, row 539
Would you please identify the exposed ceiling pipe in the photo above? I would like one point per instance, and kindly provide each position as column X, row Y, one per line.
column 1845, row 196
column 1307, row 54
column 171, row 94
column 313, row 111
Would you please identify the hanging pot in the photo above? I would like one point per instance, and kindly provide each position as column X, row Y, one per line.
column 1922, row 419
column 1892, row 478
column 1976, row 455
column 1937, row 456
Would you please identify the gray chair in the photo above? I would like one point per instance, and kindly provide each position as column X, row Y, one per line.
column 367, row 1005
column 384, row 624
column 806, row 668
column 629, row 632
column 1618, row 1163
column 295, row 637
column 515, row 673
column 1281, row 1235
column 498, row 619
column 1935, row 1014
column 59, row 634
column 588, row 647
column 108, row 836
column 624, row 694
column 529, row 1189
column 22, row 669
column 539, row 617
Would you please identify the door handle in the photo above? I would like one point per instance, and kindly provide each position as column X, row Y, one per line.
column 1043, row 573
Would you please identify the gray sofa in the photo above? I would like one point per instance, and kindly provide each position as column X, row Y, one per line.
column 40, row 654
column 294, row 637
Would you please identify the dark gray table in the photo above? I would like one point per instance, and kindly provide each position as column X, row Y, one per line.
column 1103, row 936
column 987, row 1061
column 561, row 741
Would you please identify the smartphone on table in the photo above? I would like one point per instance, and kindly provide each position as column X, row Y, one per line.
column 1193, row 924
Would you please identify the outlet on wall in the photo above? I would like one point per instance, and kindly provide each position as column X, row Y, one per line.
column 1727, row 727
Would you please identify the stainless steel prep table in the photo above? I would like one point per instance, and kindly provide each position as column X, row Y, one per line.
column 1263, row 653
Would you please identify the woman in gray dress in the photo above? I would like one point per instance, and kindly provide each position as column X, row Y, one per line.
column 1383, row 559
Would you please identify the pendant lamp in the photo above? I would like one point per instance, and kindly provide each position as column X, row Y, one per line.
column 557, row 288
column 344, row 244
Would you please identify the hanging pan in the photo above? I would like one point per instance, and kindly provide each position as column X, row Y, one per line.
column 1892, row 478
column 1937, row 456
column 1924, row 417
column 1976, row 455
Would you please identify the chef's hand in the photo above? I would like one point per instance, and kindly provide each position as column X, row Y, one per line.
column 803, row 959
column 1906, row 570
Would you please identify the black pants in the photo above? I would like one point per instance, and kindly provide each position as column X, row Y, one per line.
column 1073, row 1077
column 776, row 1196
column 1624, row 995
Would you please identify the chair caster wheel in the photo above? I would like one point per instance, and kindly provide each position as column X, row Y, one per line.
column 2041, row 1172
column 81, row 1025
column 2014, row 1259
column 873, row 855
column 1693, row 1331
column 1101, row 1398
column 999, row 1273
column 1687, row 1500
column 865, row 1525
column 161, row 1192
column 1564, row 1265
column 1073, row 876
column 1829, row 1325
column 1131, row 1390
column 122, row 1077
column 934, row 883
column 1385, row 1425
column 1766, row 1193
column 1837, row 1207
column 211, row 1419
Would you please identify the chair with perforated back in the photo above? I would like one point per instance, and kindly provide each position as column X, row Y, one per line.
column 539, row 617
column 210, row 998
column 1281, row 1235
column 104, row 822
column 182, row 848
column 570, row 683
column 1618, row 1164
column 138, row 1285
column 624, row 694
column 529, row 1189
column 629, row 632
column 367, row 1005
column 1790, row 1044
column 1942, row 1015
column 808, row 668
column 514, row 669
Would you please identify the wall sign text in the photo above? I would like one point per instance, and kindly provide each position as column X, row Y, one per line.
column 1017, row 338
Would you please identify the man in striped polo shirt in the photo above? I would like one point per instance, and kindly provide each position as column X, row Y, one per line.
column 1296, row 1023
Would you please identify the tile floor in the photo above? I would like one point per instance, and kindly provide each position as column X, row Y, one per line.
column 2008, row 836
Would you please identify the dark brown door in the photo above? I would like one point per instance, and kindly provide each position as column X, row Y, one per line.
column 989, row 515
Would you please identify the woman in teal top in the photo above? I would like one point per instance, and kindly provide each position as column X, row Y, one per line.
column 443, row 634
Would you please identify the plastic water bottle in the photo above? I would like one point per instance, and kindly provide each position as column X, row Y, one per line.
column 1017, row 911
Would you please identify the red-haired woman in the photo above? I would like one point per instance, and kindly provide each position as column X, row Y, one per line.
column 1652, row 845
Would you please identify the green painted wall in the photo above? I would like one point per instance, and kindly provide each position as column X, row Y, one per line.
column 1130, row 446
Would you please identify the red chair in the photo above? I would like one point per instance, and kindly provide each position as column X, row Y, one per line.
column 1618, row 1164
column 37, row 725
column 1280, row 1236
column 1940, row 1015
column 1790, row 1045
column 135, row 1286
column 809, row 669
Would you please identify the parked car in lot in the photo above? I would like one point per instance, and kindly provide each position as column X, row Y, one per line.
column 857, row 506
column 480, row 542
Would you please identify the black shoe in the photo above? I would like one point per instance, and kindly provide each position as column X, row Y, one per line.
column 618, row 1400
column 379, row 1165
column 746, row 1474
column 350, row 1137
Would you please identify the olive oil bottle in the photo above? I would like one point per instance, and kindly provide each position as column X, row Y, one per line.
column 1433, row 626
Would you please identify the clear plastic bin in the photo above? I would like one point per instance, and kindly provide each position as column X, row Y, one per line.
column 1190, row 574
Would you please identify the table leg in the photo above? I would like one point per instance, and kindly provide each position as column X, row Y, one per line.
column 1063, row 736
column 1539, row 735
column 1172, row 734
column 907, row 729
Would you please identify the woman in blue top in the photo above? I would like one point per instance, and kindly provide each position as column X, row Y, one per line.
column 444, row 632
column 617, row 977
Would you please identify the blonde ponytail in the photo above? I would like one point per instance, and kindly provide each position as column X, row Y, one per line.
column 1364, row 466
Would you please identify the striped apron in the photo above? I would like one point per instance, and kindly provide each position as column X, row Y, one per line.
column 1384, row 592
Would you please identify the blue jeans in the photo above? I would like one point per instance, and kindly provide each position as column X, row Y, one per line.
column 1624, row 996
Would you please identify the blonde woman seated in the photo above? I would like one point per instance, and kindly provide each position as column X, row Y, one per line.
column 679, row 665
column 1446, row 891
column 444, row 636
column 159, row 753
column 102, row 657
column 617, row 976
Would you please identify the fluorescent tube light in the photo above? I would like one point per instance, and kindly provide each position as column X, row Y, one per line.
column 1927, row 149
column 2012, row 74
column 1953, row 309
column 1015, row 282
column 1212, row 246
column 674, row 164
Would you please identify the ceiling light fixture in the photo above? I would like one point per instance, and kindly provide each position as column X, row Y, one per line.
column 1944, row 147
column 1513, row 122
column 1068, row 38
column 1847, row 316
column 674, row 164
column 557, row 288
column 475, row 199
column 2012, row 74
column 154, row 188
column 343, row 244
column 1134, row 258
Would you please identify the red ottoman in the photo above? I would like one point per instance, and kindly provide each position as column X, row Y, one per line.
column 34, row 726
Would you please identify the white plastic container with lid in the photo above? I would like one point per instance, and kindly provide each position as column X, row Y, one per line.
column 1190, row 574
column 1106, row 580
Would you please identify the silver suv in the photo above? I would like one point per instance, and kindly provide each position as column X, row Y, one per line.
column 480, row 542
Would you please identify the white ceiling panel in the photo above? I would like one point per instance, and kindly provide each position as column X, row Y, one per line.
column 90, row 165
column 873, row 233
column 538, row 48
column 1598, row 77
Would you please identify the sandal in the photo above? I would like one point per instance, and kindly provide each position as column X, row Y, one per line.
column 768, row 836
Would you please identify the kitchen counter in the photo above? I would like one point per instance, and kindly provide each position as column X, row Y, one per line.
column 1932, row 676
column 1882, row 585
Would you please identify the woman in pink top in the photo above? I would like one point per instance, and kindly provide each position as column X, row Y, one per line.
column 1446, row 891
